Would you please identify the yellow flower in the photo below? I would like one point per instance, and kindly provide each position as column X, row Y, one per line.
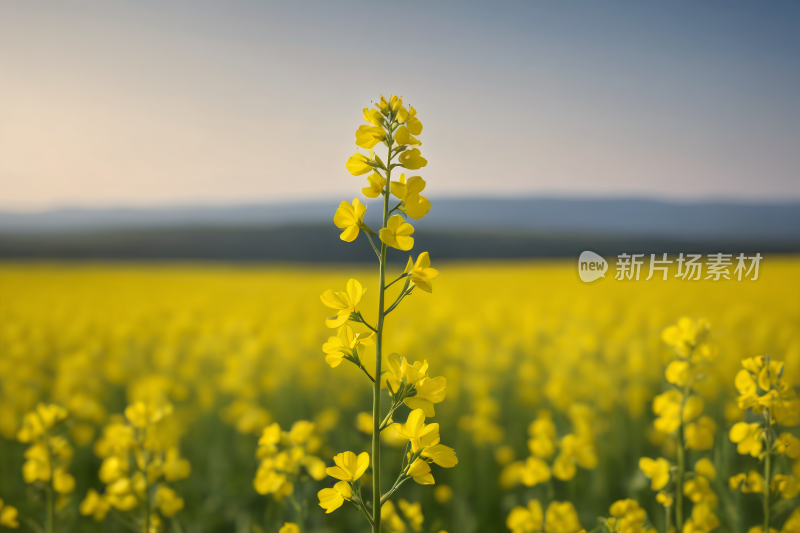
column 430, row 391
column 315, row 467
column 416, row 206
column 705, row 468
column 373, row 116
column 747, row 438
column 417, row 432
column 63, row 482
column 686, row 336
column 140, row 414
column 752, row 482
column 37, row 464
column 375, row 185
column 443, row 493
column 664, row 499
column 698, row 489
column 349, row 467
column 350, row 219
column 700, row 434
column 289, row 527
column 344, row 301
column 528, row 519
column 421, row 272
column 411, row 159
column 401, row 189
column 175, row 467
column 667, row 407
column 420, row 470
column 627, row 517
column 168, row 501
column 575, row 450
column 677, row 373
column 95, row 505
column 702, row 520
column 397, row 234
column 561, row 517
column 442, row 455
column 391, row 519
column 657, row 470
column 36, row 423
column 543, row 433
column 346, row 343
column 535, row 471
column 413, row 513
column 358, row 164
column 409, row 118
column 123, row 502
column 792, row 524
column 786, row 485
column 403, row 137
column 788, row 445
column 368, row 136
column 8, row 516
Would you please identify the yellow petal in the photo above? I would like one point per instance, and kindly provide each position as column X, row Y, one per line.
column 330, row 499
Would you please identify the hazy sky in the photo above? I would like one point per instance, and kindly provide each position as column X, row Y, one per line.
column 151, row 102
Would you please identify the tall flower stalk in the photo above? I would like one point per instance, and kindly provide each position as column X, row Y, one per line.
column 680, row 412
column 394, row 126
column 764, row 391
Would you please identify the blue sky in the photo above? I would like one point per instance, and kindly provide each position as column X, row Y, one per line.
column 141, row 103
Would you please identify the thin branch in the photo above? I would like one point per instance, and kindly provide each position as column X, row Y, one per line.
column 356, row 317
column 367, row 373
column 404, row 275
column 374, row 249
column 399, row 299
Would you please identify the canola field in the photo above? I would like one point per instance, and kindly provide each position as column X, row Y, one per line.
column 204, row 393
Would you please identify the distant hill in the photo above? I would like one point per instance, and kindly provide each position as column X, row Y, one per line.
column 456, row 228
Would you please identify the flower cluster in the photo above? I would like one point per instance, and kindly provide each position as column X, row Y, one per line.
column 408, row 384
column 574, row 449
column 48, row 456
column 628, row 517
column 140, row 458
column 679, row 414
column 8, row 516
column 560, row 517
column 284, row 456
column 765, row 394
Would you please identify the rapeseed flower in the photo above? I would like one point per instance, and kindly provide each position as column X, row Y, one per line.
column 8, row 516
column 349, row 467
column 421, row 272
column 343, row 301
column 397, row 234
column 657, row 470
column 350, row 219
column 332, row 499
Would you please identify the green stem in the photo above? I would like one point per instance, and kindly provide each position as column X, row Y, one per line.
column 681, row 467
column 298, row 509
column 767, row 466
column 377, row 253
column 49, row 523
column 668, row 514
column 376, row 390
column 147, row 511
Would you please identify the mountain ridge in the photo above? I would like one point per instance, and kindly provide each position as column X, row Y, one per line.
column 771, row 222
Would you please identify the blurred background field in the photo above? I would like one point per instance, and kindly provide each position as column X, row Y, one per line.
column 235, row 348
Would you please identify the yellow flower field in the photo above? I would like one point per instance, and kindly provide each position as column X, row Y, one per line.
column 168, row 375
